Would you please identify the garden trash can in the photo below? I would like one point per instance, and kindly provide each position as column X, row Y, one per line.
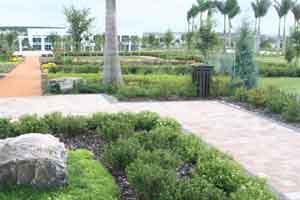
column 202, row 77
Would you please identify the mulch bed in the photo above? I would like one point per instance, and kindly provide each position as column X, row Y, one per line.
column 96, row 145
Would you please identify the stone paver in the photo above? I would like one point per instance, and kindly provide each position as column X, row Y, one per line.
column 263, row 147
column 24, row 80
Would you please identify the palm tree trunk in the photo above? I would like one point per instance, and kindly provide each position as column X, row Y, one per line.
column 255, row 28
column 225, row 33
column 201, row 19
column 279, row 35
column 230, row 28
column 284, row 34
column 112, row 67
column 258, row 36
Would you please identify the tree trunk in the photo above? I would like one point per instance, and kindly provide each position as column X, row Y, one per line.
column 284, row 34
column 201, row 19
column 230, row 28
column 225, row 33
column 258, row 36
column 279, row 36
column 112, row 74
column 255, row 28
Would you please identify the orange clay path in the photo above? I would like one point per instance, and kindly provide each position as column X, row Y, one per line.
column 24, row 80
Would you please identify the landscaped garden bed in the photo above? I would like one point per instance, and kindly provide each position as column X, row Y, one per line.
column 88, row 179
column 158, row 159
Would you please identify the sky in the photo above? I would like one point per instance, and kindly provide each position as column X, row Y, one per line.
column 134, row 16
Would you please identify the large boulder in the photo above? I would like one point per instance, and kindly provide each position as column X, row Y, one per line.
column 38, row 160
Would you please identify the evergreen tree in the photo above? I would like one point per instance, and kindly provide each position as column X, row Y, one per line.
column 245, row 68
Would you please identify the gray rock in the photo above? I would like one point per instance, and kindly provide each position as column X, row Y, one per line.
column 34, row 159
column 65, row 84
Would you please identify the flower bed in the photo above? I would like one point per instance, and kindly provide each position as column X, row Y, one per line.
column 160, row 161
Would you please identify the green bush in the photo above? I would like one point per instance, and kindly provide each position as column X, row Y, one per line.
column 74, row 125
column 223, row 173
column 31, row 124
column 199, row 188
column 257, row 97
column 6, row 128
column 276, row 100
column 291, row 112
column 55, row 122
column 151, row 180
column 123, row 152
column 162, row 158
column 116, row 126
column 146, row 121
column 241, row 94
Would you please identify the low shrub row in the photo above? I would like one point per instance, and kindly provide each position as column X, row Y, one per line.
column 126, row 69
column 277, row 71
column 272, row 98
column 174, row 69
column 160, row 161
column 172, row 55
column 150, row 86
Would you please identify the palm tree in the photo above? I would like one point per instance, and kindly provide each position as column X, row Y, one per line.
column 284, row 7
column 201, row 8
column 232, row 14
column 260, row 8
column 278, row 9
column 296, row 13
column 226, row 8
column 192, row 13
column 112, row 67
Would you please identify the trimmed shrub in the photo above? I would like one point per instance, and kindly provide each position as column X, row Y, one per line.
column 257, row 97
column 291, row 112
column 122, row 153
column 152, row 181
column 6, row 128
column 146, row 120
column 31, row 124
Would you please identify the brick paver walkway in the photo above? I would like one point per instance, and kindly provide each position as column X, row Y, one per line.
column 265, row 148
column 24, row 80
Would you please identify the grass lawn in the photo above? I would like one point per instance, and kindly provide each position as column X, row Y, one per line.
column 99, row 59
column 291, row 85
column 88, row 180
column 271, row 59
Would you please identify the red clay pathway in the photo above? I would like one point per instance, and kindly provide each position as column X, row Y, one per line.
column 24, row 80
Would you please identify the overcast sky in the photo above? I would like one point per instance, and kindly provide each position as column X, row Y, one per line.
column 134, row 16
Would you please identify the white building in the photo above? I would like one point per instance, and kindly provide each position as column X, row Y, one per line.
column 34, row 37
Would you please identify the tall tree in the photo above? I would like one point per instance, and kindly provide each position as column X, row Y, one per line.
column 79, row 22
column 296, row 13
column 280, row 14
column 284, row 6
column 226, row 8
column 231, row 15
column 201, row 8
column 168, row 38
column 191, row 15
column 245, row 67
column 10, row 39
column 112, row 74
column 260, row 8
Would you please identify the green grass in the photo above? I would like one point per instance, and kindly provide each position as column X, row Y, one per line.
column 6, row 67
column 271, row 59
column 88, row 180
column 290, row 85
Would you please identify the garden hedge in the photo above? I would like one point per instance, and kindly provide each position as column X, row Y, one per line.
column 160, row 161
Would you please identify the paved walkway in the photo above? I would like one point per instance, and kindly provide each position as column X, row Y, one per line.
column 24, row 80
column 263, row 147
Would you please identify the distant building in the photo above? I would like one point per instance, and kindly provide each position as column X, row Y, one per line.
column 34, row 37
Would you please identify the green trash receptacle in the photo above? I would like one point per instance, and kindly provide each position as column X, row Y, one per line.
column 202, row 77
